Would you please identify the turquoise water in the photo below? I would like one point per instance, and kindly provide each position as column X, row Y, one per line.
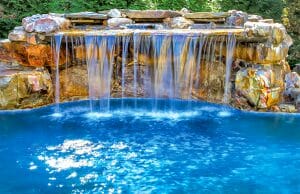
column 149, row 147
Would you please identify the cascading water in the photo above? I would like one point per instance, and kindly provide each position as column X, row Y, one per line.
column 230, row 46
column 147, row 63
column 56, row 47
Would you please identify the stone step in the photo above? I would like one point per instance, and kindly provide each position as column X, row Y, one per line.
column 207, row 15
column 151, row 14
column 86, row 15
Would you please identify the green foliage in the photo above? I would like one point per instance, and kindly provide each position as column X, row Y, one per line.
column 266, row 8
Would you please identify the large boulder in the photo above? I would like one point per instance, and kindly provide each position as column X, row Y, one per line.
column 45, row 23
column 257, row 85
column 23, row 87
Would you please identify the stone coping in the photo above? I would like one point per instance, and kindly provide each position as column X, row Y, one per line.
column 125, row 32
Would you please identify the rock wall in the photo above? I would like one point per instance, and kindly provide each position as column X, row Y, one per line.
column 260, row 76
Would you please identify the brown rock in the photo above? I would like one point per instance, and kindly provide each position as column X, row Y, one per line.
column 74, row 82
column 152, row 14
column 22, row 87
column 206, row 15
column 257, row 85
column 30, row 55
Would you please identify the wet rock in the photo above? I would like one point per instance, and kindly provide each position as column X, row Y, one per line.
column 211, row 82
column 22, row 87
column 257, row 85
column 86, row 15
column 178, row 22
column 289, row 108
column 118, row 22
column 45, row 23
column 74, row 82
column 18, row 34
column 236, row 18
column 114, row 13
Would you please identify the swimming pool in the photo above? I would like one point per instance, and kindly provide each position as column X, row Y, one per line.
column 166, row 146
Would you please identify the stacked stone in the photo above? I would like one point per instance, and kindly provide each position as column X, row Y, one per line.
column 261, row 73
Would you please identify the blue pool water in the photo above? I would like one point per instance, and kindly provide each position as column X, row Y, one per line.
column 172, row 147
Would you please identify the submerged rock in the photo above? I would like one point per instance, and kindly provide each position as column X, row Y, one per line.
column 22, row 87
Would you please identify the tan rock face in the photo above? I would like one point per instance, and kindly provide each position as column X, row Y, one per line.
column 211, row 83
column 257, row 85
column 24, row 87
column 260, row 53
column 74, row 82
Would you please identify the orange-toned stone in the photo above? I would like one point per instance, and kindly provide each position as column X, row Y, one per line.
column 30, row 55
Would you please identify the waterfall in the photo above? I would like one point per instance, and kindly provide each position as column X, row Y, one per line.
column 56, row 44
column 100, row 52
column 230, row 46
column 148, row 64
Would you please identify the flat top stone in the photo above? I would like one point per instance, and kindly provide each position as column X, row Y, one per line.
column 152, row 14
column 206, row 15
column 86, row 15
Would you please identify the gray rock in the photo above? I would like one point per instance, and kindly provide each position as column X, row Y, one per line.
column 292, row 82
column 45, row 23
column 86, row 15
column 297, row 68
column 254, row 18
column 114, row 13
column 118, row 22
column 18, row 34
